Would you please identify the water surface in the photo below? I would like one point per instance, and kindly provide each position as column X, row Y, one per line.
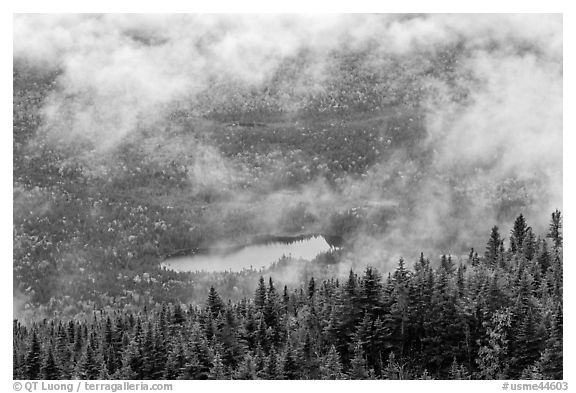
column 252, row 256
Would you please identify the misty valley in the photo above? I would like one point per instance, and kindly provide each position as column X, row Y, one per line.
column 287, row 197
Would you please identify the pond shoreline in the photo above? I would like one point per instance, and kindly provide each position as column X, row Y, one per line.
column 261, row 252
column 334, row 241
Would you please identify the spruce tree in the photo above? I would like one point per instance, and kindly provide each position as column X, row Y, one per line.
column 273, row 368
column 358, row 364
column 103, row 375
column 285, row 300
column 178, row 315
column 371, row 292
column 551, row 361
column 132, row 360
column 16, row 363
column 348, row 313
column 148, row 352
column 458, row 371
column 290, row 363
column 176, row 361
column 311, row 288
column 555, row 232
column 50, row 370
column 528, row 344
column 63, row 353
column 447, row 264
column 491, row 256
column 34, row 358
column 330, row 366
column 518, row 234
column 529, row 246
column 217, row 371
column 90, row 366
column 543, row 257
column 394, row 369
column 247, row 368
column 215, row 303
column 271, row 312
column 260, row 295
column 229, row 337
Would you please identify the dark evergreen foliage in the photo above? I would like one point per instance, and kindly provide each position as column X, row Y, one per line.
column 500, row 317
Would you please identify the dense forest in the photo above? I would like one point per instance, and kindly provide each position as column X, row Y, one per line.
column 493, row 316
column 91, row 225
column 140, row 138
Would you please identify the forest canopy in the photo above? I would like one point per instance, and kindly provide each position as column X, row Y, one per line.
column 494, row 316
column 427, row 150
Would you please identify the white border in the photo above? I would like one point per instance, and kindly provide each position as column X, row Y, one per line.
column 294, row 6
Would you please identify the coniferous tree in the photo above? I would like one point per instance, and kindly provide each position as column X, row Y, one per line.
column 396, row 318
column 149, row 363
column 260, row 362
column 447, row 264
column 34, row 358
column 458, row 371
column 518, row 234
column 200, row 358
column 16, row 363
column 229, row 337
column 71, row 332
column 176, row 362
column 215, row 303
column 348, row 313
column 529, row 246
column 330, row 366
column 358, row 364
column 528, row 343
column 551, row 359
column 308, row 358
column 178, row 315
column 89, row 368
column 250, row 328
column 491, row 256
column 460, row 280
column 370, row 292
column 260, row 296
column 394, row 369
column 555, row 232
column 50, row 369
column 502, row 257
column 78, row 342
column 132, row 361
column 247, row 369
column 217, row 371
column 271, row 312
column 273, row 366
column 311, row 288
column 63, row 352
column 103, row 375
column 285, row 299
column 290, row 363
column 543, row 257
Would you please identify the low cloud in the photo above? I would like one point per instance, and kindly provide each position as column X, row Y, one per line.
column 493, row 118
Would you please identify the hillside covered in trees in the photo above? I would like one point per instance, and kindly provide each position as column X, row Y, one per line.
column 403, row 138
column 493, row 316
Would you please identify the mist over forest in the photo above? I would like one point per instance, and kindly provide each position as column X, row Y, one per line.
column 140, row 137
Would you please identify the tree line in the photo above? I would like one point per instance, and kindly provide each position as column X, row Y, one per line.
column 496, row 315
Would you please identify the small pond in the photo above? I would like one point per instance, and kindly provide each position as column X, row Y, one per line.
column 261, row 254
